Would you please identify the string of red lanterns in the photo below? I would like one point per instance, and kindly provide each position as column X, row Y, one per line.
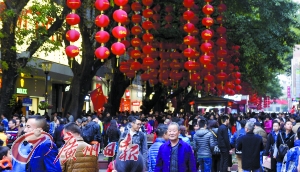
column 102, row 36
column 72, row 35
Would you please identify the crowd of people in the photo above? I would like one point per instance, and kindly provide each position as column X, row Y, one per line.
column 182, row 142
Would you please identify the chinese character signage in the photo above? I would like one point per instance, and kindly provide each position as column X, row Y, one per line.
column 288, row 92
column 129, row 151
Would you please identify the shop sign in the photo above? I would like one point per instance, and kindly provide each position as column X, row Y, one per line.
column 21, row 91
column 135, row 103
column 27, row 102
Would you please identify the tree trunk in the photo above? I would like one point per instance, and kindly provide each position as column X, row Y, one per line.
column 118, row 87
column 148, row 104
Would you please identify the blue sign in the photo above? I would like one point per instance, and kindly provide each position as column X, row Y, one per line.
column 27, row 102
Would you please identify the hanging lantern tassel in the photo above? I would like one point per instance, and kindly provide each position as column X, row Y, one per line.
column 117, row 60
column 71, row 63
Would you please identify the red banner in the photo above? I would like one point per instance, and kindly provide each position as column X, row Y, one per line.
column 125, row 105
column 98, row 99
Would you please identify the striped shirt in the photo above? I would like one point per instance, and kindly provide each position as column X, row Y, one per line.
column 13, row 135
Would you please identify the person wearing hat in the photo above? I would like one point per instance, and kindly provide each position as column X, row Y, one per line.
column 259, row 131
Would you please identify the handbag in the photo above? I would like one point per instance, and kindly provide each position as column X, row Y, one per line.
column 283, row 148
column 266, row 162
column 215, row 149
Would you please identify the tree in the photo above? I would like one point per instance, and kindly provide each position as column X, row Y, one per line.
column 11, row 36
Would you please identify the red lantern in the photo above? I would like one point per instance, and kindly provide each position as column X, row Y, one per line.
column 209, row 78
column 189, row 40
column 207, row 21
column 222, row 8
column 72, row 19
column 147, row 37
column 72, row 51
column 147, row 2
column 190, row 65
column 148, row 61
column 205, row 59
column 206, row 47
column 222, row 65
column 195, row 77
column 124, row 68
column 195, row 20
column 72, row 35
column 130, row 74
column 126, row 43
column 147, row 25
column 118, row 48
column 147, row 49
column 238, row 88
column 222, row 76
column 221, row 42
column 145, row 77
column 120, row 16
column 189, row 27
column 222, row 53
column 188, row 3
column 102, row 36
column 208, row 9
column 169, row 18
column 221, row 30
column 148, row 13
column 136, row 30
column 135, row 42
column 188, row 15
column 73, row 4
column 135, row 54
column 102, row 20
column 206, row 34
column 189, row 52
column 220, row 19
column 183, row 84
column 136, row 18
column 119, row 32
column 135, row 66
column 101, row 5
column 237, row 74
column 237, row 81
column 121, row 2
column 102, row 53
column 136, row 6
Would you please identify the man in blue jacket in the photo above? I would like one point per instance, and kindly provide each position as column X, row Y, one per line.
column 42, row 159
column 162, row 136
column 175, row 155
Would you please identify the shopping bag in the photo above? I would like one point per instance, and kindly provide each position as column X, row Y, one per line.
column 266, row 162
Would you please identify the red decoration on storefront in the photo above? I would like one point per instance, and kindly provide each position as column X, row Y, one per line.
column 148, row 13
column 147, row 49
column 207, row 21
column 148, row 61
column 147, row 37
column 188, row 3
column 206, row 34
column 208, row 9
column 188, row 15
column 136, row 18
column 189, row 27
column 222, row 76
column 206, row 47
column 209, row 78
column 189, row 40
column 147, row 25
column 136, row 6
column 205, row 59
column 135, row 66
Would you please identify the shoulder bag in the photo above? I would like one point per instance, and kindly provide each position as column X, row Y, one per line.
column 215, row 149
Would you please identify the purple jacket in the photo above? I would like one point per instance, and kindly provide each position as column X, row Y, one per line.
column 186, row 159
column 268, row 126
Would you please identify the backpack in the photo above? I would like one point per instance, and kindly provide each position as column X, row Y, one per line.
column 283, row 147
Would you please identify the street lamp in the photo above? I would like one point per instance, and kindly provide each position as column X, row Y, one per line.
column 46, row 66
column 108, row 78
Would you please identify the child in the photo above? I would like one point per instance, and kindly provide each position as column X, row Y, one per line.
column 5, row 159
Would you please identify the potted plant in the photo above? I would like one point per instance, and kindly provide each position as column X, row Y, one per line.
column 44, row 105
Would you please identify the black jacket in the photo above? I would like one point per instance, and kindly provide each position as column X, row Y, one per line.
column 251, row 145
column 58, row 136
column 269, row 145
column 289, row 140
column 223, row 138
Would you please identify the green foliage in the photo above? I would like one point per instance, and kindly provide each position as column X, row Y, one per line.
column 12, row 101
column 4, row 65
column 267, row 32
